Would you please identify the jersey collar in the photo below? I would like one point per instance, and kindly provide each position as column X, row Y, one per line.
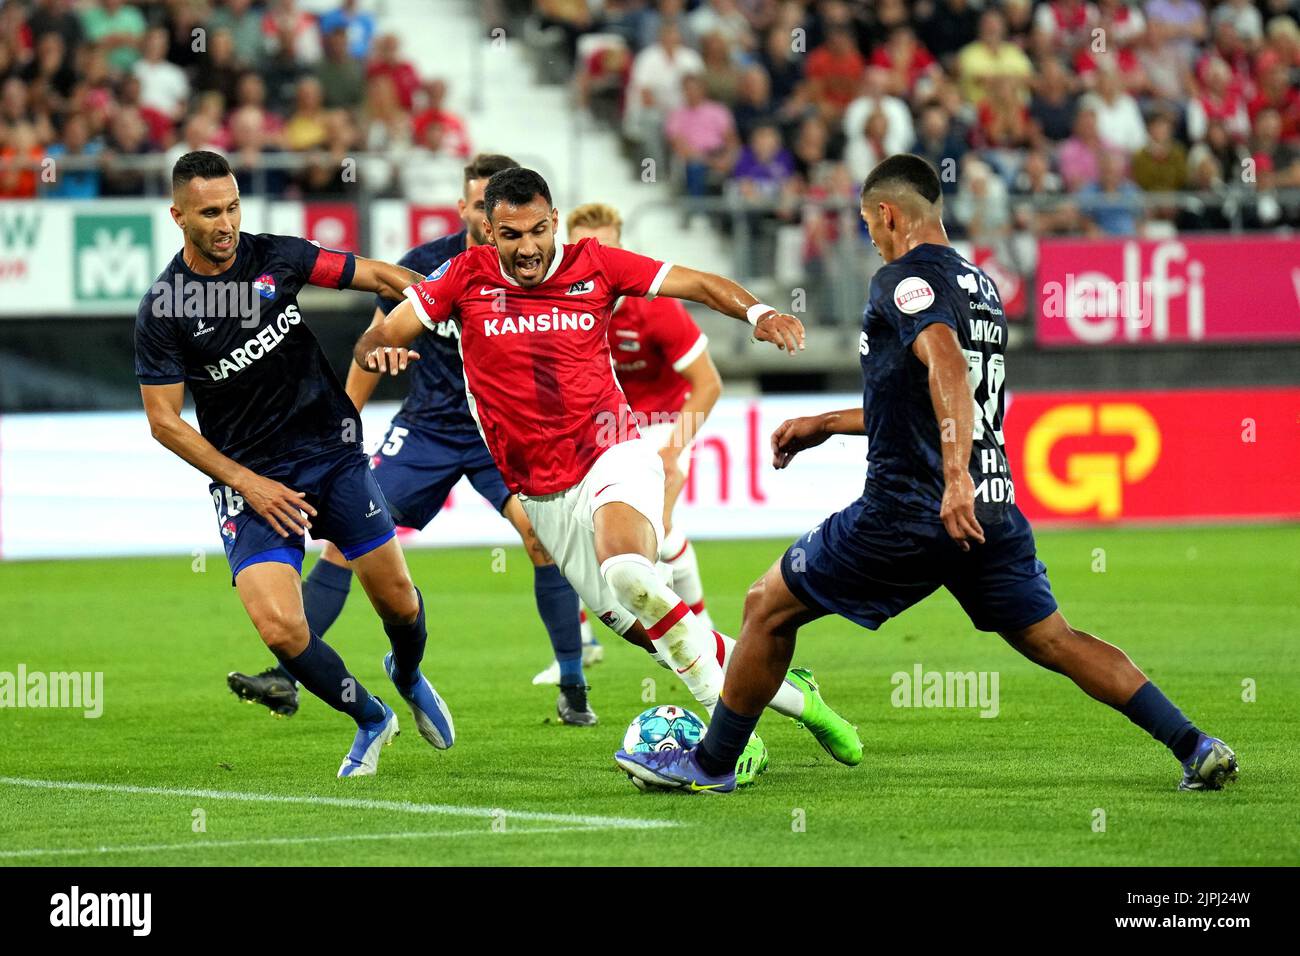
column 555, row 267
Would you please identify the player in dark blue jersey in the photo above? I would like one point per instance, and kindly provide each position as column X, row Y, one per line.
column 280, row 439
column 432, row 442
column 938, row 508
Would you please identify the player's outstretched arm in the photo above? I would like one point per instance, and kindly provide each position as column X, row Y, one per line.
column 938, row 349
column 279, row 504
column 797, row 434
column 361, row 383
column 730, row 298
column 383, row 346
column 382, row 278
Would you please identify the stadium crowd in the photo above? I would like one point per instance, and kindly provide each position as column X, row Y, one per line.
column 1047, row 117
column 104, row 79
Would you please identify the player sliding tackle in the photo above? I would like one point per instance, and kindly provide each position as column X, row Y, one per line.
column 281, row 441
column 937, row 509
column 540, row 384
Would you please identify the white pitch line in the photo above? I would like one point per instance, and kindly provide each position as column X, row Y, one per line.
column 352, row 803
column 200, row 844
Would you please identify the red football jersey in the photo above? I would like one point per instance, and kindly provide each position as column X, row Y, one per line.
column 538, row 374
column 652, row 341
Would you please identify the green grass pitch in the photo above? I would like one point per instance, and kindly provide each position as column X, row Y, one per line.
column 1203, row 611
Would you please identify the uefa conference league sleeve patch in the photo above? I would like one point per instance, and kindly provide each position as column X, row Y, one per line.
column 913, row 295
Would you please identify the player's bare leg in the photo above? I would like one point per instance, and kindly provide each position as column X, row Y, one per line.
column 384, row 576
column 558, row 609
column 1105, row 673
column 272, row 596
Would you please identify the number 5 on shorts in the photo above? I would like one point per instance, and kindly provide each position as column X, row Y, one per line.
column 394, row 443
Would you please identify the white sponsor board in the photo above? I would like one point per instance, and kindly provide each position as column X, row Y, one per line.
column 76, row 485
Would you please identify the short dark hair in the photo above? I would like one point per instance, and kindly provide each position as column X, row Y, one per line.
column 516, row 187
column 487, row 165
column 199, row 164
column 905, row 169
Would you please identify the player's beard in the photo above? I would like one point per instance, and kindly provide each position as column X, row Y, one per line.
column 215, row 253
column 539, row 270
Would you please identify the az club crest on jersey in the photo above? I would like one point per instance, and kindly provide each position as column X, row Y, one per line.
column 265, row 285
column 229, row 529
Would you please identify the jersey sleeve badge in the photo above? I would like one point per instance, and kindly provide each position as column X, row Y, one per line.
column 913, row 295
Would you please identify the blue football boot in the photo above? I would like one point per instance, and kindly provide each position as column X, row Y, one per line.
column 673, row 770
column 432, row 718
column 1211, row 765
column 363, row 759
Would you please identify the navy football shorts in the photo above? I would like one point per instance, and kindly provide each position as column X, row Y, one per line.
column 350, row 511
column 868, row 565
column 417, row 469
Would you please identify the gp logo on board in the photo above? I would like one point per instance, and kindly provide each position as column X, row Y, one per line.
column 112, row 256
column 265, row 285
column 913, row 295
column 1094, row 481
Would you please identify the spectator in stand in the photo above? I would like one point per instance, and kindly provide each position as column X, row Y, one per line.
column 1053, row 106
column 1196, row 214
column 249, row 147
column 181, row 18
column 387, row 62
column 602, row 82
column 56, row 16
column 51, row 68
column 1277, row 163
column 19, row 162
column 128, row 137
column 754, row 103
column 75, row 143
column 160, row 129
column 1119, row 119
column 937, row 143
column 572, row 18
column 784, row 66
column 1019, row 15
column 946, row 26
column 1065, row 26
column 385, row 126
column 222, row 72
column 1277, row 93
column 358, row 27
column 325, row 179
column 342, row 78
column 1004, row 124
column 1111, row 56
column 765, row 166
column 1180, row 24
column 1283, row 43
column 201, row 132
column 655, row 86
column 305, row 129
column 981, row 207
column 453, row 137
column 834, row 74
column 1218, row 102
column 723, row 17
column 1245, row 18
column 702, row 135
column 1079, row 157
column 866, row 147
column 1112, row 205
column 1041, row 209
column 1122, row 20
column 244, row 24
column 1166, row 71
column 163, row 85
column 1229, row 153
column 874, row 98
column 118, row 27
column 1161, row 165
column 666, row 12
column 721, row 74
column 252, row 92
column 991, row 54
column 905, row 61
column 284, row 25
column 429, row 165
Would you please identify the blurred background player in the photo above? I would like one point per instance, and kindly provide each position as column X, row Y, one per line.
column 662, row 362
column 281, row 441
column 538, row 374
column 938, row 509
column 431, row 443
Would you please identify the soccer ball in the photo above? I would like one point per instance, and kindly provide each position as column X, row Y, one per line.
column 663, row 728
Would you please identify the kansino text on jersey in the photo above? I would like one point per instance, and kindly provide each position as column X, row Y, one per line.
column 219, row 299
column 271, row 335
column 555, row 321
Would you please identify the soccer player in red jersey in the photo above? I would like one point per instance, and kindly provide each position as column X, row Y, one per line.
column 540, row 383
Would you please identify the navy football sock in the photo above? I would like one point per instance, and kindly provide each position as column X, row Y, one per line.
column 728, row 734
column 557, row 604
column 284, row 672
column 408, row 642
column 320, row 669
column 323, row 594
column 1153, row 712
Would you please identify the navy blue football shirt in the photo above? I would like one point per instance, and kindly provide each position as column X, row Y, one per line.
column 263, row 390
column 932, row 283
column 436, row 387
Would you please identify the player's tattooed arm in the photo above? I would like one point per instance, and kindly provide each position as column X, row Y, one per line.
column 361, row 382
column 383, row 346
column 938, row 349
column 797, row 434
column 281, row 506
column 382, row 278
column 732, row 299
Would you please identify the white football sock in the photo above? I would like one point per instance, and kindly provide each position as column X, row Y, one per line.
column 678, row 553
column 788, row 699
column 675, row 632
column 584, row 625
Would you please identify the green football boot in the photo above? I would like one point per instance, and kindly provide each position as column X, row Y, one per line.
column 838, row 737
column 753, row 761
